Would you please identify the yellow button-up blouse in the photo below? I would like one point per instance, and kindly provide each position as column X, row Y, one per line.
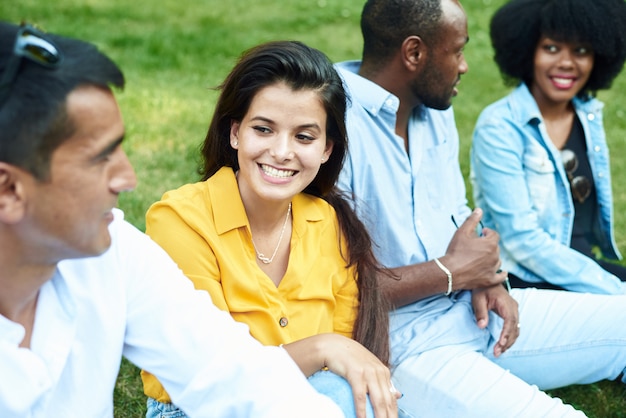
column 204, row 228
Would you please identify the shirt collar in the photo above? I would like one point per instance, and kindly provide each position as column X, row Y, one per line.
column 524, row 106
column 370, row 95
column 226, row 201
column 229, row 211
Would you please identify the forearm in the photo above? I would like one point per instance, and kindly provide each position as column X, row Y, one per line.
column 472, row 260
column 308, row 353
column 408, row 284
column 563, row 266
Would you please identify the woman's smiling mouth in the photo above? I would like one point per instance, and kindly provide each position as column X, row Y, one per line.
column 274, row 172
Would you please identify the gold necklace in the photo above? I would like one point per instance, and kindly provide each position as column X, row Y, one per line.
column 262, row 256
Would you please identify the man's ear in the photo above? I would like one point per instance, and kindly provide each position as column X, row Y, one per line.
column 413, row 52
column 12, row 193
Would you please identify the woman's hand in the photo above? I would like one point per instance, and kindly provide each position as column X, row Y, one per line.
column 345, row 357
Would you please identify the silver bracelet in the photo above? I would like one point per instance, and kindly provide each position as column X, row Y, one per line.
column 448, row 274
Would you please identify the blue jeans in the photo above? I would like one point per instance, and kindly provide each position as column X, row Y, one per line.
column 338, row 389
column 327, row 383
column 158, row 409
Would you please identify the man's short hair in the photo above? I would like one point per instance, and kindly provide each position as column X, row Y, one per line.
column 33, row 116
column 385, row 24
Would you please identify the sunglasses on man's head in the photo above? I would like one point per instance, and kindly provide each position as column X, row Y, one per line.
column 580, row 185
column 31, row 44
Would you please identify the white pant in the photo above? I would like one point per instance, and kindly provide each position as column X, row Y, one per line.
column 566, row 338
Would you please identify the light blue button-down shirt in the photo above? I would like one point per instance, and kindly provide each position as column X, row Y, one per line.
column 407, row 201
column 520, row 183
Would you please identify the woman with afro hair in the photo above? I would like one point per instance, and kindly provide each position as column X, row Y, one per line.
column 539, row 159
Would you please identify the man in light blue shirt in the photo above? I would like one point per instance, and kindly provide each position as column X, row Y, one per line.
column 457, row 345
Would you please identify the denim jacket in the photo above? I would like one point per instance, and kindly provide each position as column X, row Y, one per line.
column 519, row 181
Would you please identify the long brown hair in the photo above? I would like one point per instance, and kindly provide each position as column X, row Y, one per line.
column 305, row 68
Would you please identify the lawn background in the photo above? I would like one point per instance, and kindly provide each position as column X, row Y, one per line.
column 173, row 53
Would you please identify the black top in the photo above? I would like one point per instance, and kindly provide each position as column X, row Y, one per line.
column 585, row 212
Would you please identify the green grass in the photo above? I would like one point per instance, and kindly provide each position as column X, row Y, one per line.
column 173, row 52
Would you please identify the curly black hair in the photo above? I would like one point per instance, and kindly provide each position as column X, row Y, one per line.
column 519, row 24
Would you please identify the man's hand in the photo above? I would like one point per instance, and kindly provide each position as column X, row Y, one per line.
column 473, row 259
column 497, row 299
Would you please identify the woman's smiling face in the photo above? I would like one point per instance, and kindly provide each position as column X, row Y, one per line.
column 281, row 143
column 561, row 70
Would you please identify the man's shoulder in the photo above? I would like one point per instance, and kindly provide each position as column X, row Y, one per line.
column 121, row 226
column 348, row 67
column 130, row 251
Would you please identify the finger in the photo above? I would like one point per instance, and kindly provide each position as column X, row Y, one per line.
column 380, row 400
column 396, row 393
column 501, row 345
column 393, row 396
column 510, row 331
column 488, row 232
column 359, row 393
column 515, row 334
column 383, row 396
column 507, row 338
column 472, row 221
column 481, row 311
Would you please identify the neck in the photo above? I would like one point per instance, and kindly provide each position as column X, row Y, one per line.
column 558, row 120
column 22, row 312
column 555, row 111
column 264, row 216
column 21, row 277
column 18, row 295
column 402, row 123
column 267, row 219
column 19, row 292
column 550, row 109
column 387, row 78
column 18, row 301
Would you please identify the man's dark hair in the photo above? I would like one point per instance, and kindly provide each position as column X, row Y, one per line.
column 518, row 25
column 385, row 24
column 33, row 115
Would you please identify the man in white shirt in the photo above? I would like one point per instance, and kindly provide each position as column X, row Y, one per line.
column 79, row 286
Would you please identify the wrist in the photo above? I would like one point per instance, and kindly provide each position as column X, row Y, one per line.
column 448, row 274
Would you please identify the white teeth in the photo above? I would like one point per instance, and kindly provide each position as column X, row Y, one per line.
column 563, row 81
column 273, row 172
